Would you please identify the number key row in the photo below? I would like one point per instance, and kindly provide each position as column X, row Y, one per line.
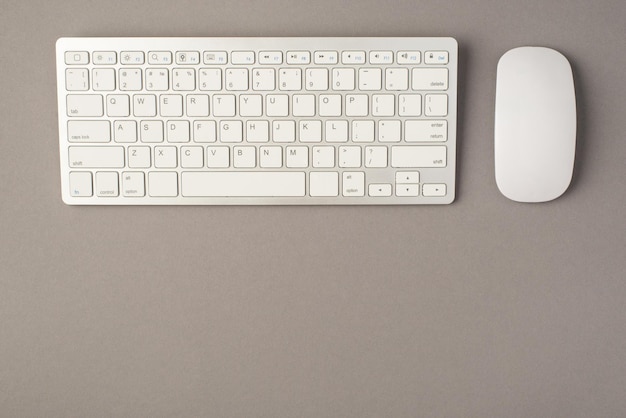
column 258, row 79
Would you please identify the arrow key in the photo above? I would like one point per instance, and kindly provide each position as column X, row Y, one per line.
column 407, row 189
column 407, row 177
column 434, row 190
column 380, row 189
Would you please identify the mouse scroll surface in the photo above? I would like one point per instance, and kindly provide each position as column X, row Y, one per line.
column 535, row 124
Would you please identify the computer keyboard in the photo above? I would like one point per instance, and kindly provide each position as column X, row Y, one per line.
column 228, row 121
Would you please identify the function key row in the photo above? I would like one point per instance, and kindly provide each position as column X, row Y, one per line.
column 251, row 57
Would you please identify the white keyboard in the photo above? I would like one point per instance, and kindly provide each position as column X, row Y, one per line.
column 228, row 121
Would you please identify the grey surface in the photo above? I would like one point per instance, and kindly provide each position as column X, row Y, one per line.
column 484, row 308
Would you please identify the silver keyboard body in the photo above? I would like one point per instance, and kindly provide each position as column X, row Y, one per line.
column 167, row 121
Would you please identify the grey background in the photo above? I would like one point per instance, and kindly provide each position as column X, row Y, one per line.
column 484, row 308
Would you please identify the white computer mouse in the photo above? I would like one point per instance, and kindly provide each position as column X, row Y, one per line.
column 535, row 126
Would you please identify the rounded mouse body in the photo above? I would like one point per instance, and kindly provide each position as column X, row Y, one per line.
column 535, row 124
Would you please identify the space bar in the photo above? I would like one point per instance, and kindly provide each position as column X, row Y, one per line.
column 243, row 184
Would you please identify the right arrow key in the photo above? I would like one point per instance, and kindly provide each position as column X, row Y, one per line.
column 434, row 190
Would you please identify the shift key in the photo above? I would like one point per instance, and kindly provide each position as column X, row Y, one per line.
column 96, row 157
column 418, row 156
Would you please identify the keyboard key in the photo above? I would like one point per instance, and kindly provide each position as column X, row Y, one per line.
column 151, row 131
column 131, row 57
column 434, row 190
column 353, row 57
column 263, row 79
column 144, row 105
column 418, row 156
column 104, row 57
column 430, row 79
column 77, row 79
column 284, row 131
column 297, row 157
column 409, row 105
column 76, row 57
column 436, row 105
column 363, row 131
column 125, row 131
column 192, row 157
column 353, row 183
column 187, row 57
column 349, row 157
column 316, row 79
column 103, row 79
column 370, row 79
column 171, row 105
column 397, row 79
column 436, row 57
column 375, row 157
column 118, row 105
column 210, row 79
column 381, row 57
column 163, row 184
column 408, row 57
column 231, row 131
column 96, row 157
column 107, row 184
column 130, row 79
column 271, row 157
column 139, row 157
column 80, row 184
column 326, row 57
column 270, row 57
column 426, row 131
column 204, row 131
column 277, row 105
column 383, row 105
column 323, row 157
column 84, row 105
column 159, row 57
column 244, row 157
column 177, row 131
column 343, row 79
column 303, row 105
column 407, row 189
column 197, row 105
column 379, row 189
column 157, row 79
column 215, row 57
column 184, row 79
column 290, row 79
column 223, row 105
column 257, row 131
column 237, row 79
column 298, row 57
column 243, row 184
column 389, row 130
column 133, row 184
column 336, row 131
column 242, row 57
column 357, row 105
column 329, row 105
column 218, row 157
column 88, row 131
column 324, row 184
column 310, row 131
column 407, row 177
